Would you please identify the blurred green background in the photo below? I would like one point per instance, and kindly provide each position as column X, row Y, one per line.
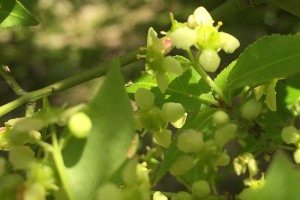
column 76, row 35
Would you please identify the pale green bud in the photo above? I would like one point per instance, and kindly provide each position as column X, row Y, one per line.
column 200, row 189
column 152, row 120
column 80, row 125
column 222, row 160
column 251, row 109
column 224, row 134
column 290, row 135
column 163, row 138
column 171, row 65
column 190, row 141
column 209, row 60
column 183, row 38
column 182, row 165
column 228, row 42
column 144, row 98
column 172, row 111
column 220, row 118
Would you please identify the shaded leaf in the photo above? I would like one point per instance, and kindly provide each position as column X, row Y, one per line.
column 92, row 161
column 13, row 13
column 271, row 57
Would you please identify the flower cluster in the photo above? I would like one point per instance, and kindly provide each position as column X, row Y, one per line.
column 199, row 32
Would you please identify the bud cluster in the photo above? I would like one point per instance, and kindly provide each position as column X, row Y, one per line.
column 39, row 177
column 154, row 119
column 291, row 135
column 209, row 151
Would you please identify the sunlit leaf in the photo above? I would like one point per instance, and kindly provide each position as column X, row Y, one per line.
column 271, row 57
column 13, row 13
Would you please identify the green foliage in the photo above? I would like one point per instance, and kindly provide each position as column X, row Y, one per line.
column 13, row 13
column 264, row 61
column 183, row 116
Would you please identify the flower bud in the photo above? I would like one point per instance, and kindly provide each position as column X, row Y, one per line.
column 80, row 125
column 290, row 135
column 224, row 134
column 228, row 43
column 182, row 165
column 251, row 109
column 220, row 118
column 183, row 38
column 209, row 60
column 222, row 160
column 144, row 98
column 190, row 141
column 163, row 138
column 172, row 111
column 200, row 189
column 152, row 120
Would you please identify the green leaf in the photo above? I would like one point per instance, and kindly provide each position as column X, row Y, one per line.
column 13, row 13
column 199, row 122
column 281, row 182
column 188, row 89
column 271, row 57
column 92, row 161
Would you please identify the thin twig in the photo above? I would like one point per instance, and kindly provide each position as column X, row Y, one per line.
column 11, row 81
column 65, row 84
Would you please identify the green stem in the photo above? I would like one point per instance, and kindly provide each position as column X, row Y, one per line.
column 210, row 82
column 11, row 81
column 232, row 6
column 65, row 84
column 60, row 166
